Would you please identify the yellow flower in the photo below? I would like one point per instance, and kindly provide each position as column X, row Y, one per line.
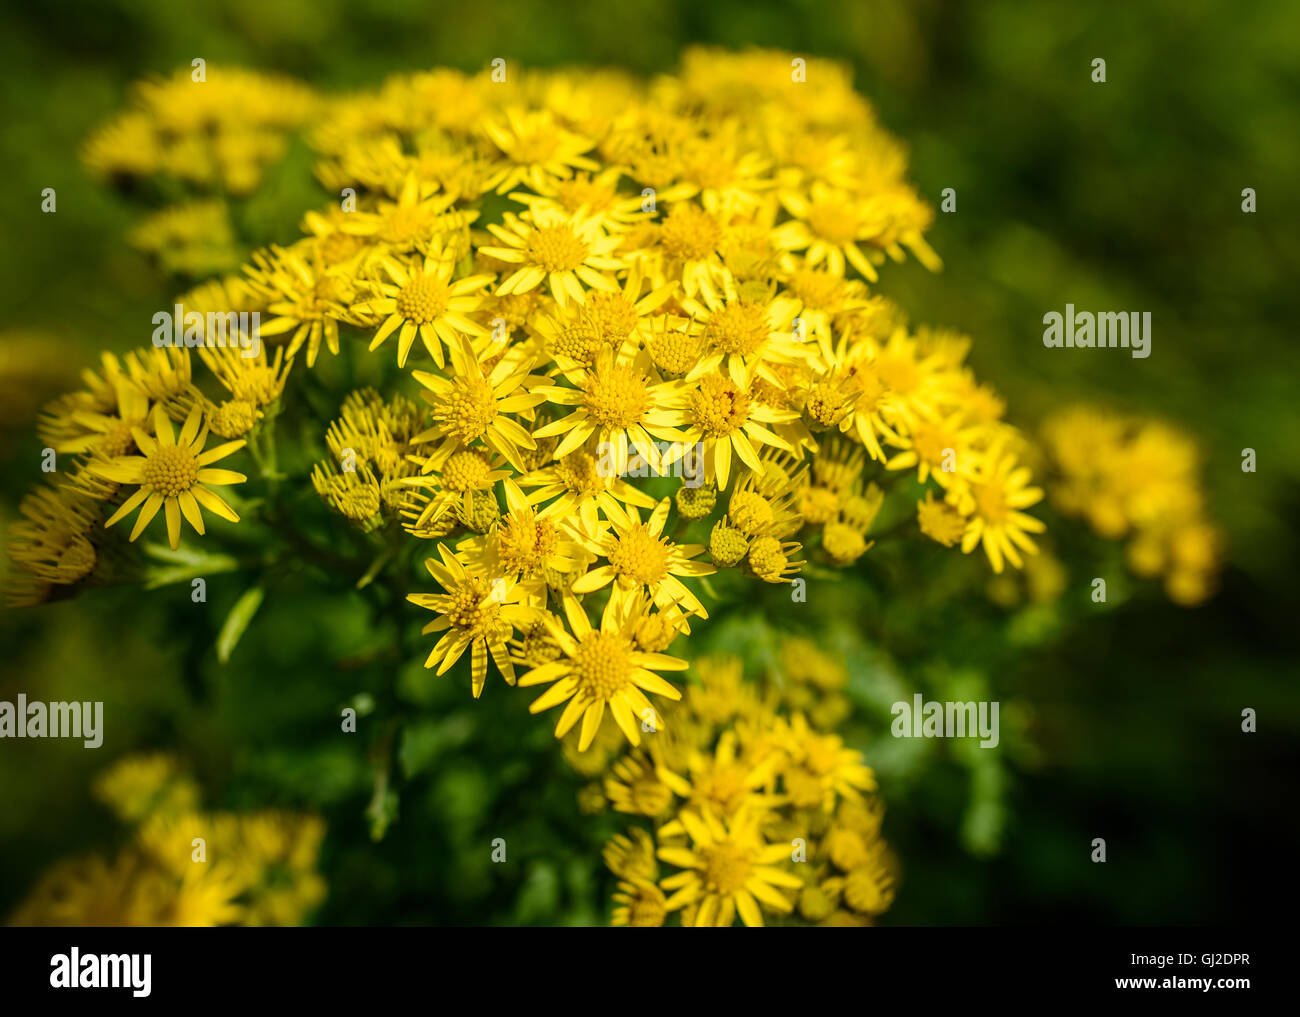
column 621, row 405
column 525, row 546
column 818, row 768
column 52, row 541
column 475, row 613
column 641, row 786
column 471, row 405
column 641, row 905
column 173, row 474
column 640, row 556
column 631, row 856
column 749, row 330
column 413, row 222
column 599, row 668
column 562, row 250
column 304, row 296
column 576, row 485
column 940, row 521
column 729, row 869
column 140, row 786
column 421, row 299
column 721, row 414
column 994, row 500
column 538, row 151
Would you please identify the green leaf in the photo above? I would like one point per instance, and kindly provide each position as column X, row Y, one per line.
column 183, row 564
column 237, row 621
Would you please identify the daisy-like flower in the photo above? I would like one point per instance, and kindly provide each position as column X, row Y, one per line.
column 596, row 194
column 538, row 151
column 52, row 540
column 606, row 319
column 526, row 546
column 476, row 613
column 748, row 332
column 817, row 769
column 641, row 785
column 472, row 405
column 729, row 869
column 994, row 500
column 173, row 474
column 465, row 476
column 725, row 782
column 70, row 428
column 421, row 299
column 621, row 405
column 641, row 557
column 564, row 251
column 689, row 239
column 940, row 521
column 305, row 297
column 414, row 221
column 829, row 224
column 937, row 446
column 632, row 855
column 575, row 485
column 599, row 668
column 639, row 905
column 721, row 414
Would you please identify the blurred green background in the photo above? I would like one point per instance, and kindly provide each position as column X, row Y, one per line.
column 1122, row 195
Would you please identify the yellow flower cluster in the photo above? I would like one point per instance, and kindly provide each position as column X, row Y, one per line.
column 193, row 238
column 183, row 866
column 755, row 811
column 207, row 127
column 1138, row 478
column 611, row 283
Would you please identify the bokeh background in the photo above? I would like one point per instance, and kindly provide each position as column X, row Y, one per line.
column 1122, row 195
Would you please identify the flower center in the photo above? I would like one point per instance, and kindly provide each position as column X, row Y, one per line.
column 719, row 406
column 465, row 471
column 750, row 511
column 690, row 233
column 578, row 340
column 580, row 191
column 650, row 795
column 617, row 396
column 931, row 443
column 602, row 664
column 727, row 867
column 814, row 288
column 423, row 300
column 171, row 470
column 525, row 542
column 899, row 373
column 556, row 248
column 640, row 557
column 467, row 410
column 991, row 503
column 531, row 148
column 614, row 315
column 725, row 789
column 578, row 473
column 739, row 328
column 833, row 221
column 472, row 608
column 119, row 441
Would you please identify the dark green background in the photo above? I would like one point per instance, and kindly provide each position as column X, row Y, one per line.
column 1122, row 195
